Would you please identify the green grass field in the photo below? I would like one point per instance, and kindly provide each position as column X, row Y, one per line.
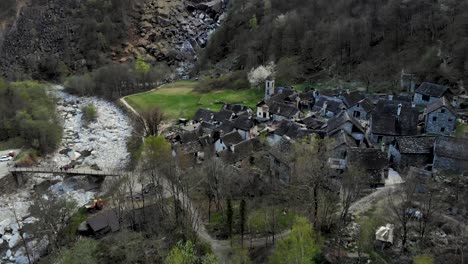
column 180, row 100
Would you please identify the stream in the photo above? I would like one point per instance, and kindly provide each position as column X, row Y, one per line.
column 98, row 145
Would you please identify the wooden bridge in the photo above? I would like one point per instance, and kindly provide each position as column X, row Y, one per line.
column 18, row 172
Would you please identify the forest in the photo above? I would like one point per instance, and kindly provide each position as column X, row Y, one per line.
column 370, row 41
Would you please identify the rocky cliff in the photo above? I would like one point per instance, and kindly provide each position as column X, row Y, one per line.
column 57, row 37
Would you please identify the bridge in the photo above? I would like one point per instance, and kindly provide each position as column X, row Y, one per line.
column 18, row 172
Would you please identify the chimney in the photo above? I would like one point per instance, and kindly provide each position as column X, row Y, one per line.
column 413, row 104
column 347, row 91
column 390, row 97
column 399, row 110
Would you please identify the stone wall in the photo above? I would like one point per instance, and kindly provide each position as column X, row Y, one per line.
column 418, row 100
column 441, row 118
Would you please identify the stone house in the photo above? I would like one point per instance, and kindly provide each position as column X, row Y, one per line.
column 240, row 152
column 245, row 126
column 286, row 130
column 411, row 151
column 263, row 107
column 450, row 154
column 281, row 111
column 344, row 122
column 373, row 161
column 440, row 118
column 227, row 140
column 340, row 145
column 351, row 98
column 428, row 93
column 361, row 110
column 391, row 119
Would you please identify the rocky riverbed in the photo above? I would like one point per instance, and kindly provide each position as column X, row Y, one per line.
column 98, row 145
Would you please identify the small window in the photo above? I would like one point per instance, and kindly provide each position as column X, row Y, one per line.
column 442, row 129
column 442, row 110
column 426, row 98
column 450, row 120
column 434, row 118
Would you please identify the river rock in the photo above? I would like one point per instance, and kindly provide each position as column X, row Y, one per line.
column 14, row 240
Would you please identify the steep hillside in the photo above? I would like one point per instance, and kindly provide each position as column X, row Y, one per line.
column 50, row 39
column 354, row 39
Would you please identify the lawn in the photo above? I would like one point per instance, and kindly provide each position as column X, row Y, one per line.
column 180, row 100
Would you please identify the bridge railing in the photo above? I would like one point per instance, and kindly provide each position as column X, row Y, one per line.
column 68, row 171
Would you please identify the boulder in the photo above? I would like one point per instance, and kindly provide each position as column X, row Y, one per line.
column 14, row 240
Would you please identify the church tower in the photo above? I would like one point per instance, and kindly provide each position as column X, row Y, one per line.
column 269, row 87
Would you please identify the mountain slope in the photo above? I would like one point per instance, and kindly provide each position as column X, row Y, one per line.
column 50, row 39
column 356, row 39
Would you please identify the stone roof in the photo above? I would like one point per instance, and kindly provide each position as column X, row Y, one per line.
column 340, row 119
column 238, row 152
column 277, row 98
column 343, row 138
column 206, row 128
column 231, row 138
column 312, row 122
column 432, row 89
column 385, row 120
column 443, row 102
column 223, row 115
column 334, row 106
column 189, row 136
column 104, row 219
column 203, row 115
column 367, row 105
column 205, row 140
column 415, row 145
column 352, row 98
column 226, row 127
column 285, row 110
column 188, row 148
column 291, row 129
column 450, row 147
column 243, row 123
column 368, row 158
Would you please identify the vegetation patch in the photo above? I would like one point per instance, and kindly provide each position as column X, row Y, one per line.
column 181, row 100
column 89, row 114
column 28, row 115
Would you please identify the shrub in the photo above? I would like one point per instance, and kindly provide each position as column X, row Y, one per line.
column 89, row 114
column 29, row 114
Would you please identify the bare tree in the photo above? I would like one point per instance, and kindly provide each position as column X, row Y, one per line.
column 400, row 204
column 351, row 188
column 150, row 121
column 312, row 176
column 53, row 214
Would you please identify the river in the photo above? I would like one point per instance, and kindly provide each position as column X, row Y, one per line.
column 98, row 145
